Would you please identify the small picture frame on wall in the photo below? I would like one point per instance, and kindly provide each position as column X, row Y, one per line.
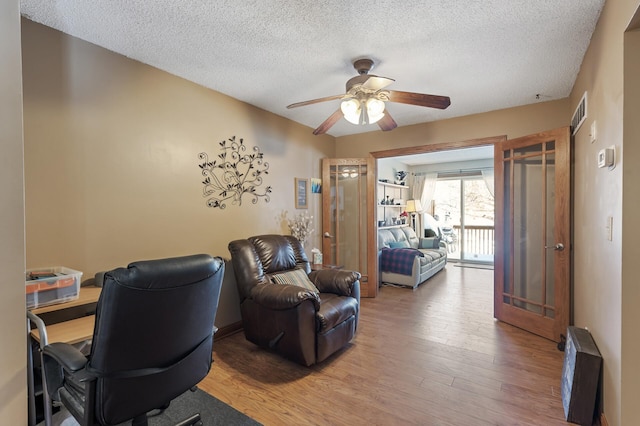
column 300, row 188
column 316, row 185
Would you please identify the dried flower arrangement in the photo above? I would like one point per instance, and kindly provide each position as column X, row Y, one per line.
column 301, row 226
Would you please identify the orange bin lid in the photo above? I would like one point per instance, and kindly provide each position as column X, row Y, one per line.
column 62, row 282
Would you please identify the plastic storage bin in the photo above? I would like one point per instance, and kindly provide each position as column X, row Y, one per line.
column 51, row 285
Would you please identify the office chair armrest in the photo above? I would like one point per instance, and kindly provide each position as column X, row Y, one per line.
column 337, row 281
column 69, row 357
column 280, row 296
column 57, row 357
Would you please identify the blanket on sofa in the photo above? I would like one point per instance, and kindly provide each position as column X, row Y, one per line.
column 398, row 260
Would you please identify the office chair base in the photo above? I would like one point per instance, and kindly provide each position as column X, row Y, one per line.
column 194, row 420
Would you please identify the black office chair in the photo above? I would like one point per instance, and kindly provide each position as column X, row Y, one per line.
column 152, row 342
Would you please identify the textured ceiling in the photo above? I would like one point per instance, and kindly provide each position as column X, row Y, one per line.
column 483, row 54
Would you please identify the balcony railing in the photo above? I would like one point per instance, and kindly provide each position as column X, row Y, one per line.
column 477, row 242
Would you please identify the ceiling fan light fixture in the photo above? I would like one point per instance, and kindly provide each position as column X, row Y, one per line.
column 351, row 110
column 349, row 173
column 362, row 111
column 365, row 98
column 375, row 110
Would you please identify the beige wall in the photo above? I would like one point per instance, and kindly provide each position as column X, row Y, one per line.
column 13, row 355
column 111, row 161
column 605, row 294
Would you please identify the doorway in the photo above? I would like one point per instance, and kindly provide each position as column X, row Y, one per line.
column 541, row 162
column 455, row 191
column 470, row 150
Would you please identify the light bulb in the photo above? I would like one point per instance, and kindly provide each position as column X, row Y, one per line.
column 347, row 173
column 375, row 110
column 351, row 110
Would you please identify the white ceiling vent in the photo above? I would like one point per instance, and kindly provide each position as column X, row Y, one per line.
column 579, row 115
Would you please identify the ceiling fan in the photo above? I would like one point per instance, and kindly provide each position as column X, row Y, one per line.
column 364, row 100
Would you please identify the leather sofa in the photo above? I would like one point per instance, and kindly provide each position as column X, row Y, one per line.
column 304, row 323
column 429, row 256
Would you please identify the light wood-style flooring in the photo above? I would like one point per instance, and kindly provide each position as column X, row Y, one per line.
column 433, row 356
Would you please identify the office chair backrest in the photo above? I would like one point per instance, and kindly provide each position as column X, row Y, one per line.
column 154, row 333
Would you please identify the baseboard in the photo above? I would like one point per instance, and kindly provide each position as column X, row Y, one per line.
column 228, row 330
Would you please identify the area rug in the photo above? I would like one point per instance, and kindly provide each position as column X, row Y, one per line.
column 212, row 411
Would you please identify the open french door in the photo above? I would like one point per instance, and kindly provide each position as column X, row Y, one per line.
column 348, row 226
column 533, row 240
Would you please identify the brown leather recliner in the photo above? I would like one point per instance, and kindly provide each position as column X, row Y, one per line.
column 300, row 324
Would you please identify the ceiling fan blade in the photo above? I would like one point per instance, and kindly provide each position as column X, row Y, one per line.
column 326, row 125
column 369, row 82
column 387, row 122
column 315, row 101
column 376, row 83
column 420, row 99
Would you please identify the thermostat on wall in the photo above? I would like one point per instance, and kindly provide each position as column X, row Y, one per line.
column 606, row 157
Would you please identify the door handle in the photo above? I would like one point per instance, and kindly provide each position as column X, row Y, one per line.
column 327, row 235
column 557, row 247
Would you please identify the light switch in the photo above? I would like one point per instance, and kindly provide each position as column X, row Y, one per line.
column 609, row 228
column 594, row 130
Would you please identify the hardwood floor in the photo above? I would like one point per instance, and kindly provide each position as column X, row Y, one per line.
column 433, row 356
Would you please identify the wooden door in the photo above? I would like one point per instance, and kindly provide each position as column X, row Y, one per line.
column 348, row 211
column 532, row 262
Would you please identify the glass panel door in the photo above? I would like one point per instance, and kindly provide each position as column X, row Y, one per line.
column 533, row 228
column 347, row 224
column 528, row 227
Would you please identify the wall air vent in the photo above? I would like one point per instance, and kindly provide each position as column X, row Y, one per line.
column 579, row 115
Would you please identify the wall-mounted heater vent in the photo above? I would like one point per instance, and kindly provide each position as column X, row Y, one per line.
column 579, row 115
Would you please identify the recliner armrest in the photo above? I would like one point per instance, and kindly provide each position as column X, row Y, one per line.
column 280, row 296
column 337, row 281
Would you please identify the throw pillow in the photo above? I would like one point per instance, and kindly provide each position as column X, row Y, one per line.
column 427, row 243
column 297, row 277
column 399, row 244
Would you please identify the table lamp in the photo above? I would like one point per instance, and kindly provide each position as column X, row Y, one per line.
column 413, row 206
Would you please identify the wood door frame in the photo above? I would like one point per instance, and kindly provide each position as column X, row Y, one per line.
column 422, row 149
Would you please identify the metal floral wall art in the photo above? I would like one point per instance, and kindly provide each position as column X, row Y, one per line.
column 234, row 174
